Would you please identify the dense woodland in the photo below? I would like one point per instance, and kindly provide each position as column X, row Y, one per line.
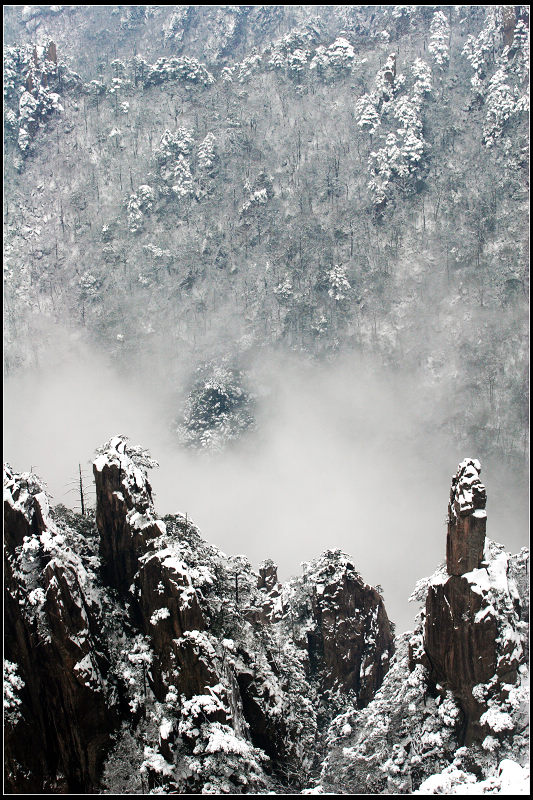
column 209, row 182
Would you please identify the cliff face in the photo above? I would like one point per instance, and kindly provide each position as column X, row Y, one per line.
column 354, row 634
column 473, row 613
column 227, row 674
column 453, row 706
column 346, row 632
column 59, row 725
column 124, row 513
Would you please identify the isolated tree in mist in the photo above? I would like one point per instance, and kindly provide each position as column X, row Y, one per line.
column 217, row 410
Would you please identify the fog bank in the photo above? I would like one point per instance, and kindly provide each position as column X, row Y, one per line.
column 344, row 456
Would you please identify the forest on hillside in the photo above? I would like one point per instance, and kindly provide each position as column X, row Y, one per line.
column 191, row 186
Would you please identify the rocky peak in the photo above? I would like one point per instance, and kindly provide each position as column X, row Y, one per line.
column 270, row 591
column 125, row 514
column 473, row 639
column 25, row 506
column 268, row 575
column 345, row 630
column 467, row 519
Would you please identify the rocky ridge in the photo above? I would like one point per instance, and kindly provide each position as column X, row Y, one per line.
column 208, row 675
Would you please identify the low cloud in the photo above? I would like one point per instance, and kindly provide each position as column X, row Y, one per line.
column 345, row 456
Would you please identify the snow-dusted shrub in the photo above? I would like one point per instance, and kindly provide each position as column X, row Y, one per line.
column 255, row 199
column 221, row 763
column 284, row 289
column 341, row 56
column 207, row 153
column 13, row 683
column 171, row 145
column 367, row 115
column 502, row 102
column 184, row 69
column 182, row 178
column 248, row 67
column 422, row 74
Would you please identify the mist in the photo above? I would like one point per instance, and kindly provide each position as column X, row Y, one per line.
column 345, row 455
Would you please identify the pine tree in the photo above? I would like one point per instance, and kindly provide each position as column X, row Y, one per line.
column 439, row 39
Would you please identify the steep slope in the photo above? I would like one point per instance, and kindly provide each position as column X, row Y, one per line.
column 453, row 707
column 221, row 178
column 204, row 675
column 342, row 624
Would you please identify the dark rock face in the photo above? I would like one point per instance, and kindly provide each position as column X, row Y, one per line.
column 462, row 653
column 22, row 511
column 270, row 589
column 472, row 614
column 164, row 601
column 124, row 513
column 51, row 624
column 168, row 608
column 467, row 520
column 352, row 641
column 348, row 639
column 268, row 576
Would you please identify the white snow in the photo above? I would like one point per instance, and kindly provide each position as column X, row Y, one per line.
column 99, row 463
column 85, row 670
column 140, row 521
column 346, row 729
column 155, row 762
column 514, row 778
column 165, row 728
column 510, row 779
column 37, row 597
column 494, row 576
column 490, row 743
column 12, row 685
column 497, row 720
column 161, row 613
column 221, row 738
column 487, row 611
